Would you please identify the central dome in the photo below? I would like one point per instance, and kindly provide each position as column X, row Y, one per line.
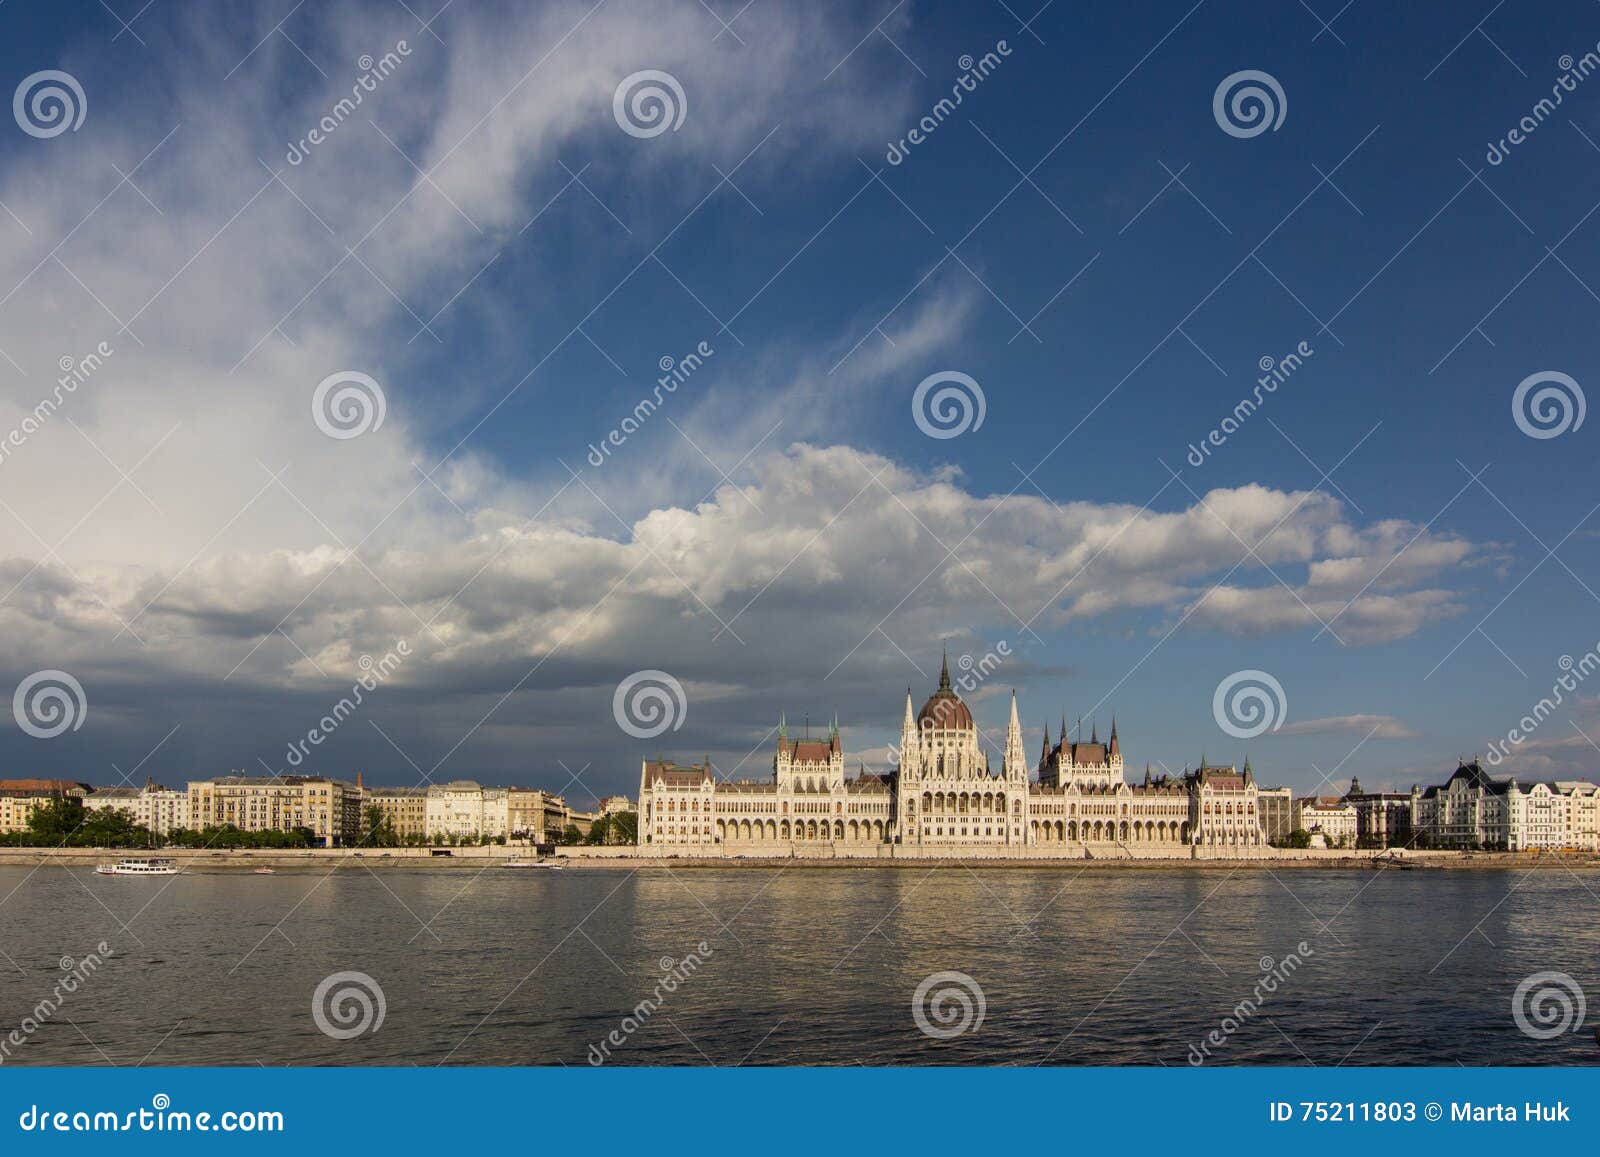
column 944, row 708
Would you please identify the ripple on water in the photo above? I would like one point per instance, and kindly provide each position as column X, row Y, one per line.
column 809, row 967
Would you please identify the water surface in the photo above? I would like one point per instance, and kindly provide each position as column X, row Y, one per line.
column 805, row 966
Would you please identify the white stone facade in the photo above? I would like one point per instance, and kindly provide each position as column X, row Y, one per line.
column 159, row 809
column 1330, row 817
column 1472, row 810
column 945, row 800
column 466, row 810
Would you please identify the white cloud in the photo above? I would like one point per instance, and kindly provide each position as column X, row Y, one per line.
column 240, row 294
column 1365, row 726
column 816, row 548
column 184, row 492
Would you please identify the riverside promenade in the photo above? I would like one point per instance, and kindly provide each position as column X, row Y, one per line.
column 477, row 859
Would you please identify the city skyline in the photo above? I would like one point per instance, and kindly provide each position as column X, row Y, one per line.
column 945, row 797
column 973, row 679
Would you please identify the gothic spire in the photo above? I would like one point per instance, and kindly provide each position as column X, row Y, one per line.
column 1013, row 764
column 944, row 671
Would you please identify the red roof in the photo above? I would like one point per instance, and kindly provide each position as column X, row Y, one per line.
column 41, row 785
column 810, row 750
column 944, row 708
column 1087, row 753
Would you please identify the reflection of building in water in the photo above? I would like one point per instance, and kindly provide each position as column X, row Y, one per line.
column 945, row 799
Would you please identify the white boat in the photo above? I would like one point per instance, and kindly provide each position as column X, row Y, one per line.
column 139, row 867
column 518, row 862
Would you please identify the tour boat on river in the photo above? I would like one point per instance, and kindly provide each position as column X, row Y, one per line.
column 139, row 867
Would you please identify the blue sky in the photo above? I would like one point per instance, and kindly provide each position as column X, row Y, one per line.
column 214, row 603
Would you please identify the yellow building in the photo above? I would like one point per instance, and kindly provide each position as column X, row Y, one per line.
column 535, row 816
column 19, row 798
column 330, row 808
column 406, row 809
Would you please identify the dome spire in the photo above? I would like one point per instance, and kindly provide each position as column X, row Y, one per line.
column 944, row 671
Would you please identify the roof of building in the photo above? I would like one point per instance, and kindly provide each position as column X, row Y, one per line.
column 810, row 750
column 1474, row 778
column 41, row 786
column 1324, row 803
column 741, row 786
column 1090, row 754
column 669, row 773
column 268, row 781
column 944, row 708
column 1577, row 787
column 1218, row 778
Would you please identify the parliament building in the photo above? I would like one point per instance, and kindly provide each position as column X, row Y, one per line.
column 945, row 800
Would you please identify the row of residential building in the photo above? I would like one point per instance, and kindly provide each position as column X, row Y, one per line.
column 332, row 809
column 1469, row 811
